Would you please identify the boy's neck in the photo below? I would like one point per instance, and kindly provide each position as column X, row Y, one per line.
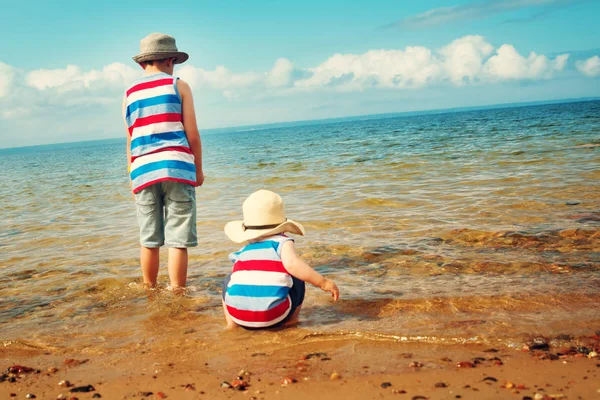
column 157, row 69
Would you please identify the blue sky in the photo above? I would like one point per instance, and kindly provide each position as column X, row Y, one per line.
column 64, row 64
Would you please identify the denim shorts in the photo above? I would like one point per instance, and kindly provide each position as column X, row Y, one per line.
column 166, row 213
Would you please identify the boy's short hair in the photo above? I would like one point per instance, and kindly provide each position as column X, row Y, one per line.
column 151, row 62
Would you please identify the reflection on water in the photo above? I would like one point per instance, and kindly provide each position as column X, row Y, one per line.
column 473, row 226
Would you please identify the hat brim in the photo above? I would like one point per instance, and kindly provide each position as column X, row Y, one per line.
column 236, row 232
column 180, row 56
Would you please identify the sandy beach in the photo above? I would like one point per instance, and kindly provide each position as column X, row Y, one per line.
column 344, row 367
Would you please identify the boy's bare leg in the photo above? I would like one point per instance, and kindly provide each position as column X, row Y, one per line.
column 178, row 266
column 228, row 319
column 149, row 260
column 294, row 318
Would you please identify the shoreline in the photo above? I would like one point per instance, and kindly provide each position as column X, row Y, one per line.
column 317, row 368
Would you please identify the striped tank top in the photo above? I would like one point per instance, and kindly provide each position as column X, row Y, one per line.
column 159, row 147
column 257, row 295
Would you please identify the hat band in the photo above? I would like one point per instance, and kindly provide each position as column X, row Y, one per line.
column 244, row 226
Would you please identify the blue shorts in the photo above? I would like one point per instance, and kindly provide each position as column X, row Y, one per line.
column 296, row 296
column 166, row 213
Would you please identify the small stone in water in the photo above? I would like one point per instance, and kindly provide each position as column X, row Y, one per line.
column 538, row 343
column 441, row 385
column 572, row 203
column 334, row 376
column 386, row 384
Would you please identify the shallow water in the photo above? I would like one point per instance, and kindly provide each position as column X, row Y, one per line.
column 478, row 226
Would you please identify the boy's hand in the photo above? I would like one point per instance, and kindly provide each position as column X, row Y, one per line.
column 199, row 177
column 329, row 286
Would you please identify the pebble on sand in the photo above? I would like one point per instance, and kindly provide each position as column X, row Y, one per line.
column 287, row 380
column 335, row 376
column 239, row 384
column 386, row 384
column 465, row 364
column 71, row 362
column 440, row 385
column 82, row 389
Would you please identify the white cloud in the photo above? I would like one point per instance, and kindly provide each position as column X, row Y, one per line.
column 7, row 77
column 465, row 61
column 589, row 67
column 73, row 78
column 508, row 64
column 471, row 11
column 56, row 100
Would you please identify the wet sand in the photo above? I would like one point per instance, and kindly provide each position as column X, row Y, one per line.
column 362, row 369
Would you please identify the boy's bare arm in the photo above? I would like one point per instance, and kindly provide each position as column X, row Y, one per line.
column 301, row 270
column 191, row 127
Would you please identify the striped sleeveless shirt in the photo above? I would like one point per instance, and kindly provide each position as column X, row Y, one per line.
column 159, row 147
column 257, row 295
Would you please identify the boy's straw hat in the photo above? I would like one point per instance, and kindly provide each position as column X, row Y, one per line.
column 264, row 215
column 157, row 46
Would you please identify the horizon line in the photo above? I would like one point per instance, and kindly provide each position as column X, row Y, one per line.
column 349, row 118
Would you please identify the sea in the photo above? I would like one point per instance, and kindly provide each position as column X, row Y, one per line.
column 450, row 228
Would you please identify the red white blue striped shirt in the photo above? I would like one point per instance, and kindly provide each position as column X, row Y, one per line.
column 257, row 295
column 159, row 147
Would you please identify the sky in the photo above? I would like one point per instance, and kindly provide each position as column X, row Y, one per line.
column 65, row 64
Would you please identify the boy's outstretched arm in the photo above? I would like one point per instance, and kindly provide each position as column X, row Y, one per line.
column 191, row 127
column 301, row 270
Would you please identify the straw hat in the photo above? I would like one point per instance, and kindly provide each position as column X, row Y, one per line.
column 157, row 46
column 264, row 215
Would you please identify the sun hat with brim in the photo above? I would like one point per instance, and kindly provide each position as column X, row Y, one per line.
column 158, row 46
column 264, row 215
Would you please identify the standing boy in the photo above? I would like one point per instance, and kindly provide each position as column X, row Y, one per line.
column 164, row 155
